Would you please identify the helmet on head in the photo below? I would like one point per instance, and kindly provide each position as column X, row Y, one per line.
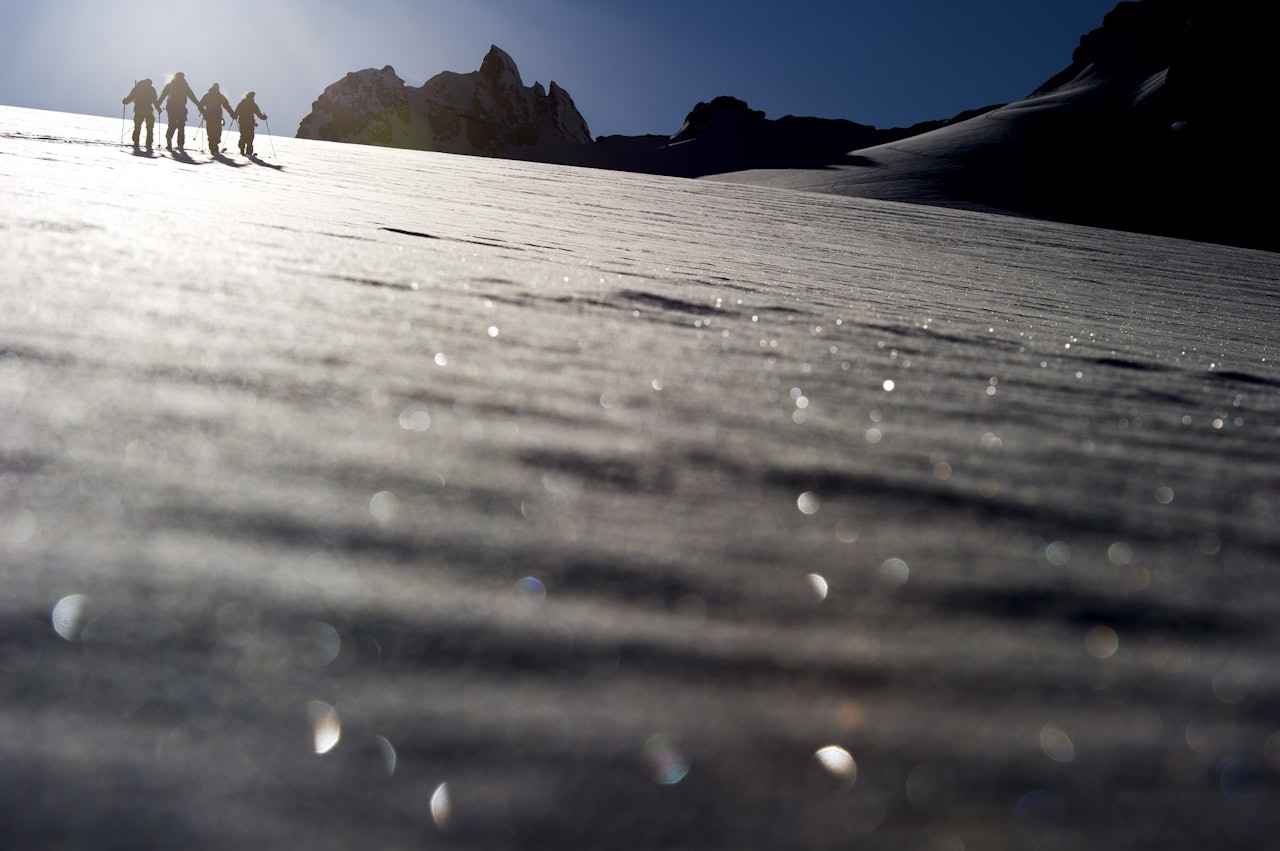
column 250, row 95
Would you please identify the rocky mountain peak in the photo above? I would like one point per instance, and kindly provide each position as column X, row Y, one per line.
column 721, row 110
column 499, row 68
column 367, row 107
column 488, row 112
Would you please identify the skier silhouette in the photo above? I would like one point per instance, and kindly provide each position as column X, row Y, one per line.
column 244, row 113
column 211, row 106
column 177, row 91
column 143, row 98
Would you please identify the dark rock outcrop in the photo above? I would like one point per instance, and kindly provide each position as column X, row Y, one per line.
column 487, row 112
column 1168, row 139
column 367, row 107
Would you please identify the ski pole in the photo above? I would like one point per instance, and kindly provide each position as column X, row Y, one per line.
column 269, row 139
column 122, row 118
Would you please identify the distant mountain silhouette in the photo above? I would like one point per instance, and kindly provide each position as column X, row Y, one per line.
column 1153, row 127
column 727, row 135
column 486, row 112
column 490, row 112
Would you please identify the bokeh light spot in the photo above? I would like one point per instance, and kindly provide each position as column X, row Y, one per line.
column 667, row 765
column 384, row 507
column 1058, row 553
column 1138, row 579
column 839, row 763
column 1242, row 781
column 442, row 807
column 1056, row 744
column 1232, row 684
column 895, row 571
column 818, row 585
column 847, row 531
column 321, row 645
column 326, row 729
column 388, row 754
column 531, row 590
column 1102, row 642
column 69, row 616
column 417, row 420
column 1120, row 554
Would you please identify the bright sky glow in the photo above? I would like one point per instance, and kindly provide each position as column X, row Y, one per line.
column 631, row 67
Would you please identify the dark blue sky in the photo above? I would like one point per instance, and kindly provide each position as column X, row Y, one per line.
column 631, row 67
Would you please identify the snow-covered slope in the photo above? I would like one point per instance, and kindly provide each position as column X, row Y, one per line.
column 379, row 498
column 489, row 111
column 979, row 163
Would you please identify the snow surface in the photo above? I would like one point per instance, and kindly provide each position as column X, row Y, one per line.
column 377, row 498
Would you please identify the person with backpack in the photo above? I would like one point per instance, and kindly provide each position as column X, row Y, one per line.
column 244, row 113
column 211, row 106
column 143, row 98
column 177, row 92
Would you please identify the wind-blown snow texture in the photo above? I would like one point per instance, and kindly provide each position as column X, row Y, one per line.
column 387, row 499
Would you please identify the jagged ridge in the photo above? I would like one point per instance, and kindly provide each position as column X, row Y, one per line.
column 487, row 112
